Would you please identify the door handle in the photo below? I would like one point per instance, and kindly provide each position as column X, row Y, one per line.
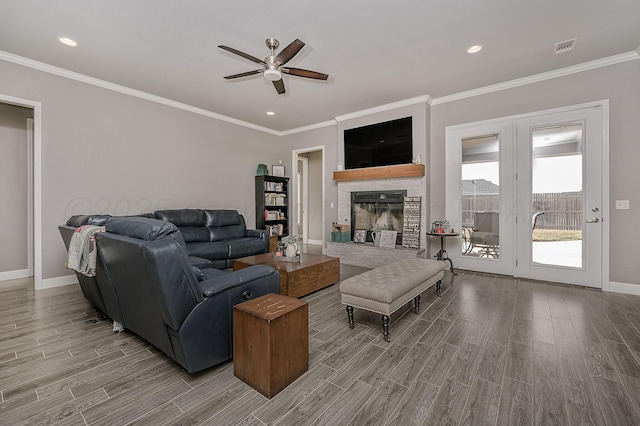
column 594, row 220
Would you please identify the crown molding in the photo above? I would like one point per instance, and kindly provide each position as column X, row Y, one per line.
column 61, row 72
column 586, row 66
column 307, row 128
column 386, row 107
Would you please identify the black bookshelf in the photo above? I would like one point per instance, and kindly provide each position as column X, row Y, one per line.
column 272, row 204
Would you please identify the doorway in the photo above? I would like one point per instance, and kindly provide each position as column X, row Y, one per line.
column 32, row 169
column 526, row 194
column 308, row 196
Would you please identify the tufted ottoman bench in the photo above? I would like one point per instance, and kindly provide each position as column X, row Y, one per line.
column 387, row 288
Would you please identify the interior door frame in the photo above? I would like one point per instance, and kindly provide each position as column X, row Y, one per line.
column 36, row 162
column 30, row 238
column 305, row 197
column 603, row 104
column 294, row 162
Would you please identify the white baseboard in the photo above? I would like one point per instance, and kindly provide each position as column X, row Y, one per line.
column 14, row 275
column 59, row 281
column 310, row 241
column 627, row 288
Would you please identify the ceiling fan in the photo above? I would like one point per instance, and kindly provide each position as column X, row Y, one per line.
column 272, row 66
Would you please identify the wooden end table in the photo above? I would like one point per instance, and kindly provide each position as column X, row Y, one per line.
column 270, row 342
column 313, row 272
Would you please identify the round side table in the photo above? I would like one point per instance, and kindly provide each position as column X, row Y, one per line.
column 442, row 254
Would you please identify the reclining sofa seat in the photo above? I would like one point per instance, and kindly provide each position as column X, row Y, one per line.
column 217, row 235
column 162, row 299
column 97, row 289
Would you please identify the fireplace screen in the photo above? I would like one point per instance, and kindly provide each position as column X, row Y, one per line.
column 378, row 210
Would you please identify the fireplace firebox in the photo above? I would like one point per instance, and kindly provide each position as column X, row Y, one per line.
column 378, row 210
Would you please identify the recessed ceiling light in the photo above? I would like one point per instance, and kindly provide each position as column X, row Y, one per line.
column 68, row 41
column 474, row 49
column 271, row 113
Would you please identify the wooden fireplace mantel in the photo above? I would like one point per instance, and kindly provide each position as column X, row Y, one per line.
column 384, row 172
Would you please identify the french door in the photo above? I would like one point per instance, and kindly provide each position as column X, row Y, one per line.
column 560, row 235
column 480, row 194
column 526, row 194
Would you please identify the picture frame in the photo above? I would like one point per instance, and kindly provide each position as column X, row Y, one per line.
column 360, row 236
column 277, row 170
column 388, row 239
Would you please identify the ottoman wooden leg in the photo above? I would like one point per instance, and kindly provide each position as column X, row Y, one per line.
column 416, row 302
column 438, row 291
column 385, row 327
column 350, row 315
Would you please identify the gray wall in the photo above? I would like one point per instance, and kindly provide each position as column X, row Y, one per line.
column 621, row 85
column 107, row 152
column 13, row 187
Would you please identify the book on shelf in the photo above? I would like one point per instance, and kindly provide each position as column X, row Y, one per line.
column 274, row 186
column 275, row 230
column 275, row 199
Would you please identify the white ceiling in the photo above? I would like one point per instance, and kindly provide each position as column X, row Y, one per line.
column 375, row 52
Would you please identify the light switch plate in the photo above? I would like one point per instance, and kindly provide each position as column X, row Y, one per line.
column 622, row 204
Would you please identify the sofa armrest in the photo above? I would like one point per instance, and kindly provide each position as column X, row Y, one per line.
column 259, row 233
column 219, row 284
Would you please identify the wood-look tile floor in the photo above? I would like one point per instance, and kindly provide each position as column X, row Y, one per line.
column 492, row 350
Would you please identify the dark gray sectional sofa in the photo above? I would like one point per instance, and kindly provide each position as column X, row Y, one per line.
column 217, row 235
column 146, row 280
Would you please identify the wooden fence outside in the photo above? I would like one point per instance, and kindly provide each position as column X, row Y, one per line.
column 561, row 210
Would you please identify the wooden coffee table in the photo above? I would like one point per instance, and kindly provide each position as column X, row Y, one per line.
column 297, row 279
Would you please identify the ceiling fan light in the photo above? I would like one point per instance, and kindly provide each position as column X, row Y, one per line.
column 272, row 75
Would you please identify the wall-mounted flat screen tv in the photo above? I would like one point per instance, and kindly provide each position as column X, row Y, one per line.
column 380, row 144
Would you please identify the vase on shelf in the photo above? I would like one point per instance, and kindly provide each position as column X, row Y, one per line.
column 262, row 170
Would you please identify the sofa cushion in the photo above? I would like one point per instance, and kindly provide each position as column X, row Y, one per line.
column 207, row 273
column 140, row 227
column 242, row 247
column 226, row 232
column 209, row 250
column 212, row 273
column 183, row 217
column 200, row 262
column 194, row 233
column 217, row 218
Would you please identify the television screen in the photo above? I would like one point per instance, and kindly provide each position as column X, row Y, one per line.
column 381, row 144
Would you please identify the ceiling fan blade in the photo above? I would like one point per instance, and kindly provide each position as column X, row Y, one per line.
column 279, row 85
column 305, row 73
column 243, row 74
column 244, row 55
column 289, row 52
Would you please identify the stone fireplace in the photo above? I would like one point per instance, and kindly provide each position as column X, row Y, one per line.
column 366, row 254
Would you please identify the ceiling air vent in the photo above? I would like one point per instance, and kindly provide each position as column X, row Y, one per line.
column 564, row 46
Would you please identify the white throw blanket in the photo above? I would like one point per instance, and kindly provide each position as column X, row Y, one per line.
column 82, row 254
